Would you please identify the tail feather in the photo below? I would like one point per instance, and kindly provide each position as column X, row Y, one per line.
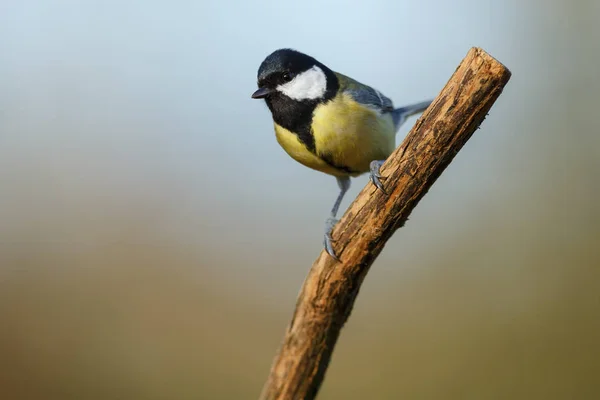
column 400, row 115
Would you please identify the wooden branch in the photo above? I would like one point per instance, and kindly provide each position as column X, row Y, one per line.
column 329, row 291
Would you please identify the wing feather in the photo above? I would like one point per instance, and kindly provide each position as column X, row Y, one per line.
column 365, row 94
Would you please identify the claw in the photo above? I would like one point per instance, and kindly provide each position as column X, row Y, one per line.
column 329, row 247
column 375, row 175
column 328, row 240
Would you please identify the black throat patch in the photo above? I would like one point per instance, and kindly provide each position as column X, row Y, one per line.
column 296, row 115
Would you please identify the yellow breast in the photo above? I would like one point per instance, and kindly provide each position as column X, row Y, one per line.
column 348, row 136
column 299, row 152
column 351, row 134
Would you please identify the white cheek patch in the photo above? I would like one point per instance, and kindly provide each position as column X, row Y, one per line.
column 308, row 85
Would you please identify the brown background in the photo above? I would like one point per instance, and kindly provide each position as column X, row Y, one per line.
column 153, row 237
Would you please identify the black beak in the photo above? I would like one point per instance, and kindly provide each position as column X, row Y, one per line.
column 261, row 93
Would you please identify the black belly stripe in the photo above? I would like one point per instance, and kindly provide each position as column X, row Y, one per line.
column 329, row 160
column 296, row 117
column 306, row 138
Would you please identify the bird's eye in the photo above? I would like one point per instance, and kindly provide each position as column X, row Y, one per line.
column 286, row 76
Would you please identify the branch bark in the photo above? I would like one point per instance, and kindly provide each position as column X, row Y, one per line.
column 330, row 289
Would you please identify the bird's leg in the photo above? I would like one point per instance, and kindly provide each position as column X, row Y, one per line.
column 344, row 184
column 375, row 175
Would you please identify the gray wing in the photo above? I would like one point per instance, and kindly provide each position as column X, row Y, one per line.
column 365, row 94
column 375, row 99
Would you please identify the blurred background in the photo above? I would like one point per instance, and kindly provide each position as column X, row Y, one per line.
column 153, row 235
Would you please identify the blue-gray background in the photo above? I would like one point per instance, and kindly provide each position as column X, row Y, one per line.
column 153, row 236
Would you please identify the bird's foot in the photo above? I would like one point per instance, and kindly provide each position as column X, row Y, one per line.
column 375, row 175
column 327, row 241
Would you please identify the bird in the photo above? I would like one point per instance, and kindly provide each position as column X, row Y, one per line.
column 329, row 122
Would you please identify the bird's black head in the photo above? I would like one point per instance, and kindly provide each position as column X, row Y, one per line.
column 293, row 84
column 297, row 76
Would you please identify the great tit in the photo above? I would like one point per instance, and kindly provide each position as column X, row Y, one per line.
column 328, row 121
